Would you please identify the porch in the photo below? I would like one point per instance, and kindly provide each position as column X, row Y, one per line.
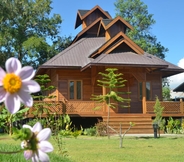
column 143, row 121
column 91, row 108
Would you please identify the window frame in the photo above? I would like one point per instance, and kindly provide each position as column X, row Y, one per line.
column 140, row 91
column 75, row 90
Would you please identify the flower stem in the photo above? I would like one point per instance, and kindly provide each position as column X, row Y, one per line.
column 10, row 152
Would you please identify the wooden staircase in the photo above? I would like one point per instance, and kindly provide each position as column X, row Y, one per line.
column 143, row 123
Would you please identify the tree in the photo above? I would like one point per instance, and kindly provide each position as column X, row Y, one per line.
column 166, row 93
column 136, row 13
column 158, row 110
column 111, row 81
column 42, row 107
column 29, row 32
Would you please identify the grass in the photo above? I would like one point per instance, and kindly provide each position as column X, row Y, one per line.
column 8, row 144
column 135, row 149
column 101, row 149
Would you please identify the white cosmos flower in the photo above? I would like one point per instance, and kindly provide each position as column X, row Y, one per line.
column 16, row 85
column 37, row 146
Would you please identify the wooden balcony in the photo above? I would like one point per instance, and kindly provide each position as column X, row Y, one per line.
column 171, row 108
column 85, row 108
column 143, row 121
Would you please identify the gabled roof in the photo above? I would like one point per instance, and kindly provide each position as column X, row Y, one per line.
column 77, row 56
column 107, row 23
column 87, row 29
column 82, row 14
column 124, row 39
column 119, row 50
column 128, row 59
column 179, row 88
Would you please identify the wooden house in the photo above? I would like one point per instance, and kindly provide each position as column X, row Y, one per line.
column 101, row 44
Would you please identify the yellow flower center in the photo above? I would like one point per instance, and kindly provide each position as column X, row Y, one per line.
column 12, row 83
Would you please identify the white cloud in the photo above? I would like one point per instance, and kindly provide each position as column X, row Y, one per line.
column 176, row 80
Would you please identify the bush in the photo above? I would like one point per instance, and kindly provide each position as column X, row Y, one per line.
column 90, row 131
column 173, row 126
column 101, row 129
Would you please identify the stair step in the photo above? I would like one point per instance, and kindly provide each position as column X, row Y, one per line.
column 143, row 124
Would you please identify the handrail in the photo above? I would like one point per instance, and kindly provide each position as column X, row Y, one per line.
column 68, row 107
column 170, row 107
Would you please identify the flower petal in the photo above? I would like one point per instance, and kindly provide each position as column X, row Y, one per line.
column 28, row 154
column 37, row 127
column 43, row 156
column 45, row 146
column 31, row 86
column 27, row 126
column 25, row 98
column 12, row 103
column 13, row 65
column 2, row 75
column 26, row 73
column 35, row 158
column 2, row 94
column 44, row 134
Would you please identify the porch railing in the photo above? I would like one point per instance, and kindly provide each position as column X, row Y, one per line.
column 68, row 107
column 170, row 107
column 88, row 107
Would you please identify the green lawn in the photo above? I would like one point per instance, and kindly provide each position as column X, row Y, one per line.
column 102, row 149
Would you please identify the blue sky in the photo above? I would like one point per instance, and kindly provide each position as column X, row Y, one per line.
column 168, row 16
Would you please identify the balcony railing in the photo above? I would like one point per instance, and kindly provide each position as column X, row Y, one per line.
column 68, row 107
column 170, row 107
column 88, row 107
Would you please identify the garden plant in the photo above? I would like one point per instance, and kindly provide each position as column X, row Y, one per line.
column 16, row 85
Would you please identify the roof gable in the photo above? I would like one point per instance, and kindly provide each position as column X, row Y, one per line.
column 115, row 42
column 103, row 42
column 108, row 23
column 93, row 27
column 83, row 14
column 179, row 88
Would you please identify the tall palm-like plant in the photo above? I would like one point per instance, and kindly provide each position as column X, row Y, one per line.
column 111, row 81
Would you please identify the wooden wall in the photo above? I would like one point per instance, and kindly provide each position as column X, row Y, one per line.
column 156, row 84
column 67, row 74
column 60, row 78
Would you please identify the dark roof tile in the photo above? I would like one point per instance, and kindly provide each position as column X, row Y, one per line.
column 107, row 21
column 128, row 58
column 83, row 12
column 76, row 54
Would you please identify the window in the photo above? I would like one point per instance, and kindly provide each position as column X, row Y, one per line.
column 140, row 90
column 148, row 90
column 75, row 90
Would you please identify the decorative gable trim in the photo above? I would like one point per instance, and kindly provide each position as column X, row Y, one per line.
column 113, row 41
column 118, row 18
column 86, row 29
column 81, row 17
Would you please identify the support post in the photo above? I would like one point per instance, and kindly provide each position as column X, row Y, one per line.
column 144, row 97
column 181, row 106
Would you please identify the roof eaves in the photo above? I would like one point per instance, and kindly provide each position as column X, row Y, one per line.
column 58, row 66
column 125, row 65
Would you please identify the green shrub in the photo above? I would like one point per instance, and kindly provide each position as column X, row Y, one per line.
column 173, row 126
column 90, row 131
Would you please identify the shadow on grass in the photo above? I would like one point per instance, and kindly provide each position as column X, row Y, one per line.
column 148, row 137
